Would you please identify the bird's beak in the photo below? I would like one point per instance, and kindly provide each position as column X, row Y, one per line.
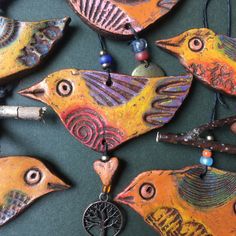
column 58, row 186
column 125, row 198
column 172, row 45
column 36, row 92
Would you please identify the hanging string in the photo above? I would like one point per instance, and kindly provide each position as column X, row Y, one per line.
column 229, row 13
column 218, row 98
column 102, row 42
column 106, row 59
column 206, row 160
column 139, row 47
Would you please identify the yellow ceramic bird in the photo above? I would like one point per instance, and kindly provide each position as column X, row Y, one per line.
column 209, row 56
column 182, row 203
column 23, row 45
column 22, row 181
column 95, row 112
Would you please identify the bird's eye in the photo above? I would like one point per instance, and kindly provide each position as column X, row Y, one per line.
column 147, row 191
column 64, row 88
column 33, row 176
column 196, row 44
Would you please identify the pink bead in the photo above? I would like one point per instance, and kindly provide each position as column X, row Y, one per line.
column 142, row 56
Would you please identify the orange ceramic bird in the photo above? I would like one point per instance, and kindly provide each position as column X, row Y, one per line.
column 23, row 45
column 209, row 56
column 115, row 17
column 95, row 112
column 22, row 181
column 180, row 203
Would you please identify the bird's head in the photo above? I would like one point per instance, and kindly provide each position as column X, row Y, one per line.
column 61, row 90
column 29, row 176
column 148, row 191
column 191, row 45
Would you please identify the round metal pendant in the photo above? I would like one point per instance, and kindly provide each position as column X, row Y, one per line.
column 103, row 218
column 148, row 70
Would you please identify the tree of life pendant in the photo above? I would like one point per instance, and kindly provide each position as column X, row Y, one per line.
column 103, row 218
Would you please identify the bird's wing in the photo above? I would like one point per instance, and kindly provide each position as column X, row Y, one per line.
column 170, row 94
column 15, row 202
column 169, row 221
column 9, row 31
column 166, row 220
column 123, row 87
column 228, row 45
column 45, row 35
column 214, row 190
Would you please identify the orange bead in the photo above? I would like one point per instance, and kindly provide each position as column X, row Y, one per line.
column 207, row 153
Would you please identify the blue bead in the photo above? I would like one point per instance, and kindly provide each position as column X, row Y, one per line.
column 139, row 45
column 106, row 59
column 206, row 161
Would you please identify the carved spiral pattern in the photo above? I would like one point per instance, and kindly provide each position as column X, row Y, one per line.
column 90, row 129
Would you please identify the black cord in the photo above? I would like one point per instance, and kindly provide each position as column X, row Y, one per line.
column 129, row 26
column 104, row 48
column 217, row 95
column 229, row 10
column 229, row 18
column 102, row 42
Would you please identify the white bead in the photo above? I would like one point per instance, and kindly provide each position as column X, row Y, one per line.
column 210, row 138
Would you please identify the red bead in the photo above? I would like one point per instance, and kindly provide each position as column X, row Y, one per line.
column 142, row 56
column 207, row 153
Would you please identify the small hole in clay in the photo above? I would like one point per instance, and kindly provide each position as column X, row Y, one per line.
column 127, row 26
column 109, row 83
column 104, row 142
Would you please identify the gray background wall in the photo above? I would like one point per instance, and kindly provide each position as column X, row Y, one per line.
column 60, row 214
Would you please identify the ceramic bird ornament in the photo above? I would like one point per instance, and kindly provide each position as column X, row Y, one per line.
column 209, row 56
column 182, row 203
column 95, row 112
column 23, row 45
column 22, row 181
column 114, row 17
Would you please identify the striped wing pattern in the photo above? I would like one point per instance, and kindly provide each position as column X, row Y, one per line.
column 217, row 189
column 229, row 46
column 123, row 88
column 169, row 222
column 9, row 30
column 15, row 202
column 102, row 14
column 171, row 92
